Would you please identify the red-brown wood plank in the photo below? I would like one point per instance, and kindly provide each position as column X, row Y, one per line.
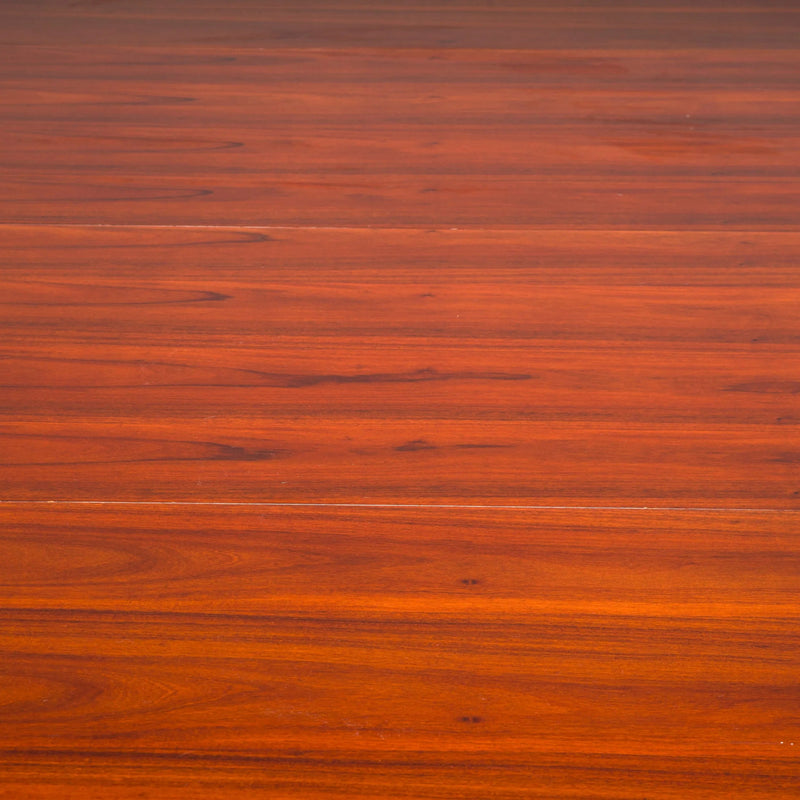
column 312, row 24
column 394, row 136
column 394, row 653
column 396, row 111
column 89, row 257
column 498, row 367
column 389, row 200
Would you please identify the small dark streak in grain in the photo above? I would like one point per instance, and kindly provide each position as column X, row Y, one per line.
column 403, row 377
column 163, row 100
column 413, row 446
column 165, row 460
column 145, row 198
column 202, row 297
column 192, row 149
column 482, row 446
column 247, row 237
column 766, row 387
column 26, row 755
column 177, row 61
column 145, row 100
column 244, row 454
column 265, row 379
column 237, row 38
column 786, row 458
column 210, row 451
column 144, row 144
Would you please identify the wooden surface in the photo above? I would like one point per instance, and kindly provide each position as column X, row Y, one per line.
column 399, row 402
column 399, row 652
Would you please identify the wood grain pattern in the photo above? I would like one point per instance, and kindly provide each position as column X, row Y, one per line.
column 508, row 25
column 403, row 112
column 505, row 368
column 402, row 136
column 617, row 203
column 384, row 653
column 399, row 400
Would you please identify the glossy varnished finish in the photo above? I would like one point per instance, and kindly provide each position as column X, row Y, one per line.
column 388, row 653
column 399, row 401
column 599, row 368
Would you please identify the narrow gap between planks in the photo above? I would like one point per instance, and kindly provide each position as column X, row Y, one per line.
column 467, row 506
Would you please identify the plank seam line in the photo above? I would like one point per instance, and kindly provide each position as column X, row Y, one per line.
column 436, row 228
column 397, row 505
